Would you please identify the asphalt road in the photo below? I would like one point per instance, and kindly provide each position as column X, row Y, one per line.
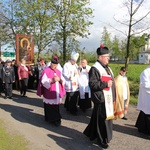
column 25, row 116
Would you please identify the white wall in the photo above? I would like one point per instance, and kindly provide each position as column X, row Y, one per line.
column 144, row 58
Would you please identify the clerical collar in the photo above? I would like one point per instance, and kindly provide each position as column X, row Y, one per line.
column 105, row 66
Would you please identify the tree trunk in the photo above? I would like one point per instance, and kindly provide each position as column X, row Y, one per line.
column 129, row 36
column 64, row 45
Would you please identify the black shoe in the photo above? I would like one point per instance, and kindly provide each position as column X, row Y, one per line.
column 57, row 123
column 103, row 145
column 73, row 113
column 83, row 110
column 10, row 97
column 124, row 118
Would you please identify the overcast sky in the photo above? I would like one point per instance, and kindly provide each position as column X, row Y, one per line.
column 104, row 11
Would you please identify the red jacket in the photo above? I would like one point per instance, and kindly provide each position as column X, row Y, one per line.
column 23, row 73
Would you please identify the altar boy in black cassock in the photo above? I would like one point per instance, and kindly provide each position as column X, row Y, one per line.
column 8, row 76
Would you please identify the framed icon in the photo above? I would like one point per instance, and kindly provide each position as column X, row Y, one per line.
column 24, row 48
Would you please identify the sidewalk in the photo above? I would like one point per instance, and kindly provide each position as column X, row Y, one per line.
column 25, row 116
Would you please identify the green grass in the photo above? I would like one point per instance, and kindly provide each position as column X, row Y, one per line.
column 10, row 141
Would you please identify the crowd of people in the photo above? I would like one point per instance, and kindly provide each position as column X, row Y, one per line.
column 80, row 85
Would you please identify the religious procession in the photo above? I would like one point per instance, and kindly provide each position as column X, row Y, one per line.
column 82, row 87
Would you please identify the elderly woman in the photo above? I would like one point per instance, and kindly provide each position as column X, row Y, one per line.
column 23, row 74
column 51, row 86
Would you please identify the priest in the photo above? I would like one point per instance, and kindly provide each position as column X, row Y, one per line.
column 51, row 87
column 101, row 82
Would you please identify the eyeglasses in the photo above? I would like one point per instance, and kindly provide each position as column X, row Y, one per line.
column 106, row 56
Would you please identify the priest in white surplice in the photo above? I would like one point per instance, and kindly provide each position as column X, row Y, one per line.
column 85, row 93
column 143, row 120
column 71, row 75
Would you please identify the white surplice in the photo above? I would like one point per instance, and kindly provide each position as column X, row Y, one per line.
column 144, row 92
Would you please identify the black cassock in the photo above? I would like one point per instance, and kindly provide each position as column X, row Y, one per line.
column 99, row 128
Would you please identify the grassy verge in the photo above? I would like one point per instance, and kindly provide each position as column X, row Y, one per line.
column 10, row 141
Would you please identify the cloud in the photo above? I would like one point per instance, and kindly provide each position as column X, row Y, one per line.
column 104, row 12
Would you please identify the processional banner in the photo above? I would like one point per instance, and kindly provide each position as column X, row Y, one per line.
column 24, row 48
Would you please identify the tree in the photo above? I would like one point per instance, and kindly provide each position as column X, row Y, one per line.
column 7, row 22
column 115, row 48
column 136, row 25
column 72, row 20
column 123, row 49
column 49, row 21
column 137, row 43
column 106, row 38
column 106, row 41
column 36, row 18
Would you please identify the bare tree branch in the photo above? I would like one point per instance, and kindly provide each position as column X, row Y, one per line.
column 141, row 19
column 134, row 12
column 117, row 30
column 139, row 32
column 120, row 22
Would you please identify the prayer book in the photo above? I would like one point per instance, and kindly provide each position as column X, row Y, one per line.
column 106, row 78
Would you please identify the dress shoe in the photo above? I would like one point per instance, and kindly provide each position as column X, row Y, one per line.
column 84, row 110
column 24, row 96
column 103, row 145
column 73, row 113
column 57, row 123
column 10, row 97
column 124, row 118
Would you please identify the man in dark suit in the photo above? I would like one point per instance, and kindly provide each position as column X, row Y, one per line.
column 1, row 82
column 8, row 76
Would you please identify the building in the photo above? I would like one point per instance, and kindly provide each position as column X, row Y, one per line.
column 144, row 56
